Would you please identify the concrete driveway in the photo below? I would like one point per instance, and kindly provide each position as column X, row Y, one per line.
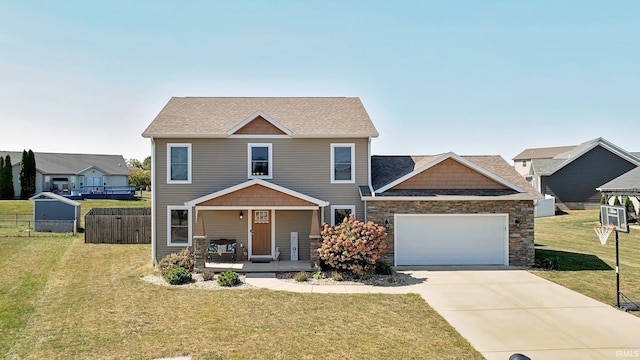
column 501, row 312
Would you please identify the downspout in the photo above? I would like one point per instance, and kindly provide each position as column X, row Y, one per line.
column 154, row 168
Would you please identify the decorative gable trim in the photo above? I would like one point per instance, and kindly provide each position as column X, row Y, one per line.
column 261, row 182
column 459, row 159
column 605, row 145
column 93, row 167
column 254, row 116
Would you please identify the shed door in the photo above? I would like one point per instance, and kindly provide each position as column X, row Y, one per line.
column 464, row 239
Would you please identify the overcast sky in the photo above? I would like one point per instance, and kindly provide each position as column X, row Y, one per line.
column 472, row 77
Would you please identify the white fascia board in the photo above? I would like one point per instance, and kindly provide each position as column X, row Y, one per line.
column 461, row 160
column 253, row 116
column 57, row 197
column 261, row 182
column 240, row 207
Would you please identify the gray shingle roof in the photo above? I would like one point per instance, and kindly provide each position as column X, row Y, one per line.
column 304, row 117
column 55, row 163
column 549, row 166
column 628, row 182
column 386, row 169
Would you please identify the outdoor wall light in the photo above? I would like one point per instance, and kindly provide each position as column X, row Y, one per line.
column 386, row 222
column 241, row 215
column 517, row 222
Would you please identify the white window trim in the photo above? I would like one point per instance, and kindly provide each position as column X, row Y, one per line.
column 249, row 172
column 189, row 160
column 340, row 207
column 353, row 163
column 189, row 220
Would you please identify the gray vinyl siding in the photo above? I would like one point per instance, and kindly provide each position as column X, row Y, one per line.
column 577, row 181
column 302, row 165
column 288, row 221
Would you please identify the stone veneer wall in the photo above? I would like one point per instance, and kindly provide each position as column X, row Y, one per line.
column 521, row 248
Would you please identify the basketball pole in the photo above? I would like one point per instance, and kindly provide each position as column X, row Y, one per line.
column 617, row 271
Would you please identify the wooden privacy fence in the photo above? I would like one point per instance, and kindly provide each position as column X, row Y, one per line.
column 118, row 226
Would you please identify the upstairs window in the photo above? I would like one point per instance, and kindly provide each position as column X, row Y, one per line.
column 524, row 163
column 179, row 163
column 342, row 163
column 260, row 161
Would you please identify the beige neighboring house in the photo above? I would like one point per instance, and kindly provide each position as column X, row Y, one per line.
column 522, row 161
column 266, row 172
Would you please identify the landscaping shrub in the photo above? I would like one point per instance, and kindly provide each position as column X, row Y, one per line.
column 547, row 263
column 208, row 275
column 337, row 276
column 184, row 259
column 631, row 210
column 228, row 278
column 178, row 276
column 301, row 276
column 383, row 267
column 353, row 245
column 318, row 275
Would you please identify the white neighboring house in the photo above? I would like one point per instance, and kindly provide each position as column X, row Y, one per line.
column 72, row 174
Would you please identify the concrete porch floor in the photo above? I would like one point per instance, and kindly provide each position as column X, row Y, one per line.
column 249, row 267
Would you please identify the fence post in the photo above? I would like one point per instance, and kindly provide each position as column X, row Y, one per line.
column 29, row 227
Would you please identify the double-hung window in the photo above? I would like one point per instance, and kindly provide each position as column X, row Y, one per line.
column 178, row 226
column 342, row 163
column 178, row 163
column 260, row 161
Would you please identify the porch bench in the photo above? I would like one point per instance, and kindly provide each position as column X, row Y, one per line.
column 221, row 250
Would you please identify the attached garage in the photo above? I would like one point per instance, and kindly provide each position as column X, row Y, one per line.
column 451, row 239
column 448, row 209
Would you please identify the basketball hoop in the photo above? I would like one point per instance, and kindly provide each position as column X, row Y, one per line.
column 603, row 232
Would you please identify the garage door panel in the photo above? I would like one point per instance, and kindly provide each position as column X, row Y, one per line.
column 451, row 239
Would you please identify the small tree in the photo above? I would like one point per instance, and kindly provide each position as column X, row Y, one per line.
column 6, row 178
column 616, row 201
column 628, row 204
column 353, row 245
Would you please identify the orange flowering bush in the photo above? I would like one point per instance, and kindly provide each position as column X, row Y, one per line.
column 353, row 245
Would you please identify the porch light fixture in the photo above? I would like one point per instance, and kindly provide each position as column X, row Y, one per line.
column 241, row 215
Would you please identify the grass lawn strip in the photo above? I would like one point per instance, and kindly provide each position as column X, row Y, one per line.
column 584, row 264
column 96, row 306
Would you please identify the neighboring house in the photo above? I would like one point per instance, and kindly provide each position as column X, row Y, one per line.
column 522, row 161
column 266, row 171
column 72, row 174
column 572, row 176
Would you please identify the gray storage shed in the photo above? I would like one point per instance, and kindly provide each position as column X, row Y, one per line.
column 55, row 213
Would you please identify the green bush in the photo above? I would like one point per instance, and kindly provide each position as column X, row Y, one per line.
column 547, row 263
column 208, row 275
column 184, row 259
column 301, row 276
column 228, row 278
column 178, row 276
column 383, row 267
column 336, row 276
column 318, row 275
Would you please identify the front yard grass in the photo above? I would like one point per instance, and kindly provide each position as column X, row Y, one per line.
column 584, row 265
column 62, row 298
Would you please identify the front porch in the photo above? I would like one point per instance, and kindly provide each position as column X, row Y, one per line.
column 251, row 267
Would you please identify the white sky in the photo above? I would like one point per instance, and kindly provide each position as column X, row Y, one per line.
column 490, row 77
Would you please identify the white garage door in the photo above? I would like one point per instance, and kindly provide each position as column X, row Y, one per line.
column 466, row 239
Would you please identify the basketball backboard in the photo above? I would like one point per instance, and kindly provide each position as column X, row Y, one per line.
column 614, row 216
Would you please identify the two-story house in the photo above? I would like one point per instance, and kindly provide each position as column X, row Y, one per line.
column 262, row 171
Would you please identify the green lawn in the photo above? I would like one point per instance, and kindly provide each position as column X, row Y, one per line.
column 61, row 298
column 585, row 265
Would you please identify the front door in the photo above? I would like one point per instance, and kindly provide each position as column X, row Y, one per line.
column 261, row 243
